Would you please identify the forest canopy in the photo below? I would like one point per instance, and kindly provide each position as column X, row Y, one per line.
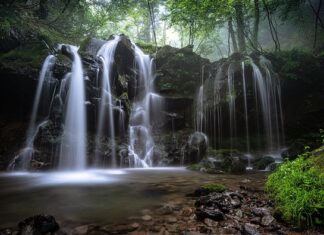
column 216, row 28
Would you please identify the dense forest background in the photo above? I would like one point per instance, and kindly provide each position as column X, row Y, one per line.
column 215, row 28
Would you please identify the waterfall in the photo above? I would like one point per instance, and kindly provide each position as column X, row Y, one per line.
column 73, row 144
column 106, row 54
column 217, row 104
column 231, row 103
column 146, row 108
column 26, row 154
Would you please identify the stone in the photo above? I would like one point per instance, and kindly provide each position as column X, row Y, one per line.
column 6, row 231
column 81, row 230
column 246, row 181
column 210, row 222
column 239, row 213
column 38, row 224
column 250, row 229
column 255, row 220
column 146, row 217
column 216, row 214
column 267, row 220
column 260, row 211
column 172, row 220
column 236, row 203
column 187, row 211
column 135, row 225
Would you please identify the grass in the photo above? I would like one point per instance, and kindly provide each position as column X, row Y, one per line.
column 297, row 187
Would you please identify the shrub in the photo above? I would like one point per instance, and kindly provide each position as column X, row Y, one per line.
column 297, row 188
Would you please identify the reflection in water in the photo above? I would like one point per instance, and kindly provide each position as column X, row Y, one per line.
column 98, row 196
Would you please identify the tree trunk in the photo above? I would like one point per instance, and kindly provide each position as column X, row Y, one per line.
column 240, row 25
column 272, row 28
column 316, row 23
column 256, row 24
column 151, row 11
column 43, row 10
column 232, row 35
column 317, row 13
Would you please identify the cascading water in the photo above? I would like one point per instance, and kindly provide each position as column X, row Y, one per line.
column 246, row 118
column 259, row 92
column 26, row 153
column 147, row 104
column 73, row 144
column 106, row 53
column 231, row 103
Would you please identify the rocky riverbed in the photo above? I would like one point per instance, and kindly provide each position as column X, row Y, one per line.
column 172, row 202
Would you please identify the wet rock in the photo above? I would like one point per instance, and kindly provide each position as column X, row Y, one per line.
column 196, row 148
column 267, row 220
column 216, row 215
column 260, row 211
column 172, row 220
column 38, row 225
column 6, row 231
column 255, row 220
column 210, row 222
column 250, row 229
column 146, row 217
column 187, row 211
column 80, row 230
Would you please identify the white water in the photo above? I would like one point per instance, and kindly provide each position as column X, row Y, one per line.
column 73, row 144
column 27, row 152
column 106, row 54
column 215, row 104
column 145, row 110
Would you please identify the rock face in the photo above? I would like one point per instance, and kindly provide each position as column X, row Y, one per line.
column 179, row 73
column 38, row 225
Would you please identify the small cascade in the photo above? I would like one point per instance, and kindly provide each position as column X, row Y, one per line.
column 26, row 154
column 246, row 119
column 73, row 144
column 229, row 106
column 106, row 107
column 268, row 94
column 200, row 109
column 145, row 113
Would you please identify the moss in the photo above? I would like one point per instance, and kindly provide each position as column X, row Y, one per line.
column 146, row 47
column 213, row 187
column 262, row 163
column 31, row 56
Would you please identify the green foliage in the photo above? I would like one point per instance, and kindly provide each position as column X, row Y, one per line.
column 213, row 187
column 296, row 64
column 297, row 188
column 32, row 56
column 194, row 167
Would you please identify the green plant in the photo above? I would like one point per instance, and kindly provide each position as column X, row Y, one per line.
column 194, row 167
column 297, row 188
column 213, row 187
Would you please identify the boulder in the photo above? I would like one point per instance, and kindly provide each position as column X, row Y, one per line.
column 38, row 225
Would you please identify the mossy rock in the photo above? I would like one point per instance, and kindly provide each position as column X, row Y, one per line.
column 210, row 188
column 263, row 162
column 214, row 187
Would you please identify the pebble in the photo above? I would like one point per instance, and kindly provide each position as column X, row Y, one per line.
column 81, row 230
column 251, row 229
column 267, row 220
column 146, row 217
column 172, row 220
